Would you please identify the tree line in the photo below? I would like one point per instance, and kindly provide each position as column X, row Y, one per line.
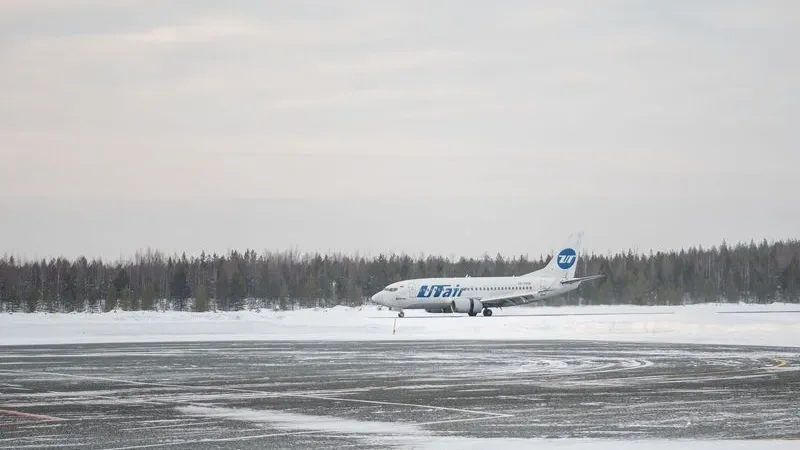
column 763, row 272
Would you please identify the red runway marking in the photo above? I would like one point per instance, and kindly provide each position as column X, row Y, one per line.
column 28, row 415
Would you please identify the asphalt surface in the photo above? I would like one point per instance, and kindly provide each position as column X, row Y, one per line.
column 386, row 394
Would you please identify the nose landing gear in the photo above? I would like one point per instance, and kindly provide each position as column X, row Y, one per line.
column 401, row 314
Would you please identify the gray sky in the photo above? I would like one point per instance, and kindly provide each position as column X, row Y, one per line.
column 436, row 127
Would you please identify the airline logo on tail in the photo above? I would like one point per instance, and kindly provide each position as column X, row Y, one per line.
column 566, row 258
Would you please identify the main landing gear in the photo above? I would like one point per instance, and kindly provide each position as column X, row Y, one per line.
column 487, row 312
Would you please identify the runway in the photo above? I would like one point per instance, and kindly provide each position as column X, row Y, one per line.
column 389, row 394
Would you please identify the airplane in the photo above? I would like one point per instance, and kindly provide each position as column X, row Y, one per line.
column 472, row 295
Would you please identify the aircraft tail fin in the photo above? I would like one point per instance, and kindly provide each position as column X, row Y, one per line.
column 564, row 261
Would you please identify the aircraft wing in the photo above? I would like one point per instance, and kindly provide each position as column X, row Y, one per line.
column 523, row 298
column 517, row 299
column 578, row 280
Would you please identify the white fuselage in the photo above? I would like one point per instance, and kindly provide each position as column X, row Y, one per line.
column 439, row 293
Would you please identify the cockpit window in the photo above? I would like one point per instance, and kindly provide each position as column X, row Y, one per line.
column 391, row 289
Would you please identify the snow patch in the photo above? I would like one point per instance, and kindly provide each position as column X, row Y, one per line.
column 302, row 422
column 735, row 324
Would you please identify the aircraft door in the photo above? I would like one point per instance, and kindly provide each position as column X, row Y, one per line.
column 411, row 291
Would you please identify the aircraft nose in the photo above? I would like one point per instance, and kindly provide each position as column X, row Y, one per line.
column 376, row 298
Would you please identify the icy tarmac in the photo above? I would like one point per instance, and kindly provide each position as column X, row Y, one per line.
column 398, row 394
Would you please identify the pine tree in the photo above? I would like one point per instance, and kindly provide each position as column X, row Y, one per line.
column 238, row 289
column 222, row 289
column 126, row 298
column 148, row 297
column 111, row 298
column 201, row 298
column 179, row 287
column 283, row 295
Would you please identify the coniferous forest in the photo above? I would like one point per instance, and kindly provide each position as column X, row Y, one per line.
column 754, row 272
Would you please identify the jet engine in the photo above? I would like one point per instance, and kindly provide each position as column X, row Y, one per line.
column 467, row 305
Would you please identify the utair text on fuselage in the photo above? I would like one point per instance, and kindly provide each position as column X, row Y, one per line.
column 473, row 295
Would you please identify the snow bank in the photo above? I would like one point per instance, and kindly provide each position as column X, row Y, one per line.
column 742, row 324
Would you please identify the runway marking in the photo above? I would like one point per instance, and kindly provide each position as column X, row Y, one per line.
column 781, row 363
column 12, row 412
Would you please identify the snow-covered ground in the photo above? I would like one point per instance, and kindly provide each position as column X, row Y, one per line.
column 743, row 324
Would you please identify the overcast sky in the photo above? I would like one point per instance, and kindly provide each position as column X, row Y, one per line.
column 421, row 126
